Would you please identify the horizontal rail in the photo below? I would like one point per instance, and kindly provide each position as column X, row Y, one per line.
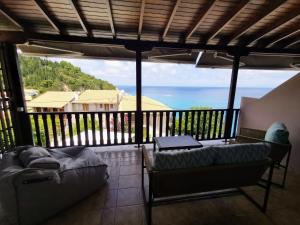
column 62, row 129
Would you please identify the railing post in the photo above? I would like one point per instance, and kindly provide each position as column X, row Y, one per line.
column 231, row 97
column 20, row 120
column 138, row 114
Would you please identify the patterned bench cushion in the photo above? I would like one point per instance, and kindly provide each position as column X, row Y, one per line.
column 182, row 158
column 240, row 153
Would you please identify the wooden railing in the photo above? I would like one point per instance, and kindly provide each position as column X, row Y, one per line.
column 61, row 129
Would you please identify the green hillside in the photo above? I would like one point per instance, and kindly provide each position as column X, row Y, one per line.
column 45, row 75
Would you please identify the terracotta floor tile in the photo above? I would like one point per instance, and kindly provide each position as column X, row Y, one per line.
column 130, row 170
column 130, row 215
column 108, row 216
column 129, row 181
column 129, row 196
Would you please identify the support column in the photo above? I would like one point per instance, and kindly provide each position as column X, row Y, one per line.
column 139, row 115
column 231, row 97
column 20, row 120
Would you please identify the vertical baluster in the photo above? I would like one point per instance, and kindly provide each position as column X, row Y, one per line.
column 93, row 128
column 46, row 130
column 173, row 123
column 115, row 119
column 107, row 118
column 192, row 123
column 52, row 117
column 216, row 116
column 122, row 128
column 236, row 115
column 129, row 128
column 221, row 124
column 198, row 124
column 86, row 129
column 203, row 125
column 167, row 122
column 180, row 121
column 69, row 117
column 77, row 117
column 100, row 127
column 147, row 126
column 161, row 116
column 209, row 125
column 186, row 122
column 62, row 129
column 154, row 123
column 3, row 126
column 37, row 129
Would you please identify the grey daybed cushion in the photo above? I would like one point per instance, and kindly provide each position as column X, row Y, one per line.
column 32, row 153
column 44, row 163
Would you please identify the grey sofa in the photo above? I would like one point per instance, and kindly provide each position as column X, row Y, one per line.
column 29, row 195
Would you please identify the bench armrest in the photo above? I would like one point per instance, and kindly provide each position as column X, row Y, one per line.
column 147, row 160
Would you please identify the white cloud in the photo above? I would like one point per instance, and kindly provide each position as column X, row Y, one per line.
column 167, row 74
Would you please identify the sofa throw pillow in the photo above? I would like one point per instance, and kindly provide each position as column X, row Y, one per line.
column 178, row 159
column 277, row 133
column 240, row 153
column 32, row 153
column 44, row 163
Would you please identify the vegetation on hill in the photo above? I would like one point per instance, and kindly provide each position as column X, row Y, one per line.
column 45, row 75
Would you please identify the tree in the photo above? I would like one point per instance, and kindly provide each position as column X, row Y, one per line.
column 45, row 75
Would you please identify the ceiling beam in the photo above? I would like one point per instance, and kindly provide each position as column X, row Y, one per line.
column 5, row 12
column 285, row 20
column 204, row 12
column 80, row 17
column 22, row 37
column 282, row 36
column 110, row 17
column 170, row 20
column 292, row 42
column 141, row 18
column 47, row 15
column 244, row 29
column 225, row 21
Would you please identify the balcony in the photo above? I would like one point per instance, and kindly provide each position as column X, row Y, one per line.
column 214, row 34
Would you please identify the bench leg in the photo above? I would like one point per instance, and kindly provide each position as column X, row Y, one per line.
column 286, row 169
column 268, row 188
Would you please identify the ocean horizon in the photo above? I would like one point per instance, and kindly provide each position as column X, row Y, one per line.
column 187, row 97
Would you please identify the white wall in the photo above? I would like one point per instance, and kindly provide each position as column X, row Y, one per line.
column 281, row 104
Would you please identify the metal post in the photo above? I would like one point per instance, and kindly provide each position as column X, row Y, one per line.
column 20, row 120
column 231, row 97
column 138, row 115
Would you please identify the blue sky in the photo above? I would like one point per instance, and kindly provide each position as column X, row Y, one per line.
column 169, row 74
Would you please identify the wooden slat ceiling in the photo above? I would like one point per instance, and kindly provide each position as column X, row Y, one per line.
column 249, row 23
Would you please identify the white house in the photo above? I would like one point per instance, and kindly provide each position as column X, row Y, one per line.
column 53, row 101
column 98, row 100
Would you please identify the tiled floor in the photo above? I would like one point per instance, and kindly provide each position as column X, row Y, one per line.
column 120, row 201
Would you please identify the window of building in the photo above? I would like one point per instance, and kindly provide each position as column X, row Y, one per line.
column 85, row 107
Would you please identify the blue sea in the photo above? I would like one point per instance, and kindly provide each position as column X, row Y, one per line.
column 187, row 97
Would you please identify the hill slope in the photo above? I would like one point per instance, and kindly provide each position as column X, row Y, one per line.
column 45, row 75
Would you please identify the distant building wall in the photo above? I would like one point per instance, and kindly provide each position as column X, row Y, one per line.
column 281, row 104
column 92, row 107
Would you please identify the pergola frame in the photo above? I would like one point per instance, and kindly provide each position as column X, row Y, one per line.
column 140, row 45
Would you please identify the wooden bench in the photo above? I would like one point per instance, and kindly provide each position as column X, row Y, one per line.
column 280, row 153
column 167, row 186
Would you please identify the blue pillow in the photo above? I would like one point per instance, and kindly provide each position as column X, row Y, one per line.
column 277, row 133
column 241, row 153
column 178, row 159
